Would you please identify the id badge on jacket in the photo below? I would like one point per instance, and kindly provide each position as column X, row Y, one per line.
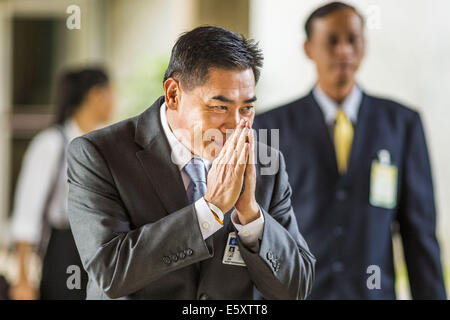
column 383, row 182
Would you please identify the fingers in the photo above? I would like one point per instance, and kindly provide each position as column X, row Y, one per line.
column 242, row 161
column 246, row 153
column 234, row 145
column 239, row 149
column 250, row 170
column 226, row 177
column 251, row 139
column 224, row 154
column 237, row 132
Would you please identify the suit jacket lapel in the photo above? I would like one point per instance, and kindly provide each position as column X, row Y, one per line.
column 322, row 139
column 156, row 161
column 361, row 138
column 363, row 133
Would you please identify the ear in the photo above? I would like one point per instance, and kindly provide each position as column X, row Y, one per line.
column 307, row 48
column 172, row 93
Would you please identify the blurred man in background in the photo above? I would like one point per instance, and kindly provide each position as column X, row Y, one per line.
column 358, row 165
column 40, row 221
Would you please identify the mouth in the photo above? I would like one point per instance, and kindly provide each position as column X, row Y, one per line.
column 344, row 65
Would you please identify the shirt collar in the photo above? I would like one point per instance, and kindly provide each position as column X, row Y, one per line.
column 180, row 155
column 329, row 107
column 72, row 129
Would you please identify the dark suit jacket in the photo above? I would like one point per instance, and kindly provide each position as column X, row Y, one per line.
column 139, row 238
column 344, row 232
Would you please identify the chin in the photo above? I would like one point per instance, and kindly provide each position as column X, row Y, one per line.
column 344, row 79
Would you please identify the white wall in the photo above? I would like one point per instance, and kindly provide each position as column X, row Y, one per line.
column 407, row 59
column 141, row 34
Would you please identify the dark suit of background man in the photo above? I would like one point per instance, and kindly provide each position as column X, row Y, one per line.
column 156, row 202
column 358, row 165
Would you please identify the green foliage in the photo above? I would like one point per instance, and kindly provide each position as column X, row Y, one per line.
column 141, row 86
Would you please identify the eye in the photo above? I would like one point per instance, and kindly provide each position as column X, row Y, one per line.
column 351, row 39
column 219, row 108
column 247, row 109
column 332, row 40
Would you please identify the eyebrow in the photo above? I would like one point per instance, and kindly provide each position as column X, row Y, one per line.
column 224, row 99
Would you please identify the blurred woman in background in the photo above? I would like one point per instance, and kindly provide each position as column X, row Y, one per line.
column 40, row 221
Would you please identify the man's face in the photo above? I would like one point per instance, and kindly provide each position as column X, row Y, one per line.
column 208, row 113
column 336, row 46
column 104, row 102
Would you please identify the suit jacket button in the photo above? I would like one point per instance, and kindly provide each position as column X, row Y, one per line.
column 166, row 260
column 338, row 231
column 341, row 195
column 204, row 296
column 337, row 266
column 189, row 252
column 181, row 255
column 174, row 258
column 270, row 255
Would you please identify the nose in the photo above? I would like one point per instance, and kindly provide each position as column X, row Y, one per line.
column 236, row 118
column 344, row 49
column 232, row 121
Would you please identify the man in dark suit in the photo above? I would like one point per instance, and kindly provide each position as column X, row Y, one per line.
column 358, row 166
column 161, row 208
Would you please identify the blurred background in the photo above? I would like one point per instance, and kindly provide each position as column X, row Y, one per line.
column 407, row 60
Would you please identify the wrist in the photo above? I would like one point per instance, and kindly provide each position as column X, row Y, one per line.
column 249, row 215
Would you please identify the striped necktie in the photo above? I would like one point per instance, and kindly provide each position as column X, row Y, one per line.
column 196, row 170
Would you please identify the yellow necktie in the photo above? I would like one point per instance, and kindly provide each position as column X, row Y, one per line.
column 343, row 138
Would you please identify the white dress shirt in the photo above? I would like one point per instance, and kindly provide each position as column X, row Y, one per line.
column 249, row 233
column 329, row 107
column 39, row 166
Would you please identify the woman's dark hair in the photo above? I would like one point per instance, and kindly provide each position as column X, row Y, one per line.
column 72, row 88
column 202, row 48
column 324, row 11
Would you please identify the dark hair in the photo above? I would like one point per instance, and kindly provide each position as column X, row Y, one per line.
column 325, row 11
column 202, row 48
column 73, row 85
